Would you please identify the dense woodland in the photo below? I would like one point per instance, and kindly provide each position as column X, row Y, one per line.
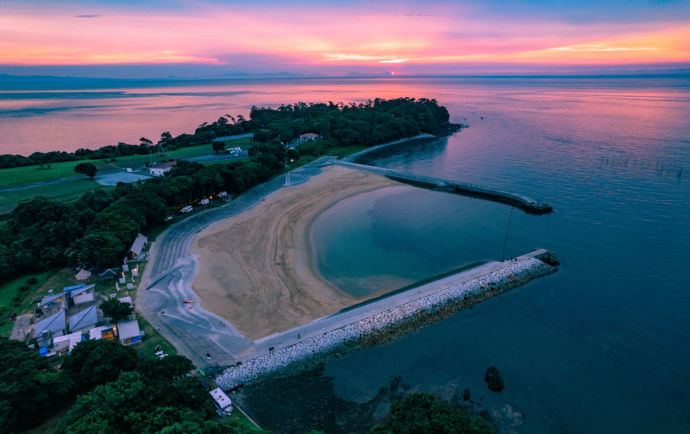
column 96, row 230
column 107, row 388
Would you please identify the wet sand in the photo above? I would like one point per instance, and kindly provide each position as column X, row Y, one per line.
column 257, row 269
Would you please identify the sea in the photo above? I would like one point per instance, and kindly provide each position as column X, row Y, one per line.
column 602, row 346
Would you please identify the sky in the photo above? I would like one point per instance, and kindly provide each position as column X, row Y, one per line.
column 203, row 39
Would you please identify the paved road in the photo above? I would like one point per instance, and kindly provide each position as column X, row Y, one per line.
column 170, row 272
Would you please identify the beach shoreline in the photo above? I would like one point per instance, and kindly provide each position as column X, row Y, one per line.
column 258, row 269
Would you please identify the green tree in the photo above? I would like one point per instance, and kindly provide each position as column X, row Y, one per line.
column 88, row 169
column 169, row 368
column 116, row 311
column 424, row 413
column 30, row 389
column 97, row 362
column 218, row 146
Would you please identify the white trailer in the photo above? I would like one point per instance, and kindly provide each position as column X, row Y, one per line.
column 222, row 402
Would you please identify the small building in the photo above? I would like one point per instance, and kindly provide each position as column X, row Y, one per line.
column 307, row 137
column 137, row 247
column 67, row 342
column 49, row 328
column 53, row 303
column 102, row 332
column 83, row 274
column 84, row 298
column 129, row 332
column 108, row 274
column 84, row 320
column 160, row 169
column 80, row 294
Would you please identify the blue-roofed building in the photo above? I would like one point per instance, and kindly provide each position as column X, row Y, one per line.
column 50, row 327
column 84, row 320
column 69, row 289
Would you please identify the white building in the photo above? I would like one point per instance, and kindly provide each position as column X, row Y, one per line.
column 160, row 169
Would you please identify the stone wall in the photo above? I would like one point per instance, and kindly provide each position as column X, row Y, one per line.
column 386, row 325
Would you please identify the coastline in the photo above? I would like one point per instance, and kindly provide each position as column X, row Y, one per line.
column 258, row 271
column 391, row 320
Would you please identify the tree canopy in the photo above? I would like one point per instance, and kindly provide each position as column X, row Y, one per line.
column 88, row 169
column 97, row 362
column 424, row 413
column 97, row 229
column 116, row 310
column 30, row 389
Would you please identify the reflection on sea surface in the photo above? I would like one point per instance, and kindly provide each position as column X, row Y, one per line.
column 601, row 346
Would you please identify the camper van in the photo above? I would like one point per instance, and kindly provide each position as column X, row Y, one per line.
column 222, row 402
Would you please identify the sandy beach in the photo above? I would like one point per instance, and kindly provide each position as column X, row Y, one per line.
column 256, row 269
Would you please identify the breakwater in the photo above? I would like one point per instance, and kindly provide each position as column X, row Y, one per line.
column 389, row 323
column 525, row 203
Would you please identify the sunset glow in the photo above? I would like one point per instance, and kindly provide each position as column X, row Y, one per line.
column 332, row 39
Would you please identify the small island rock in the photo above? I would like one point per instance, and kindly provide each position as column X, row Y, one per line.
column 494, row 380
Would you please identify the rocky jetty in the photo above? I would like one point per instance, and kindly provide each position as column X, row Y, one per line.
column 384, row 326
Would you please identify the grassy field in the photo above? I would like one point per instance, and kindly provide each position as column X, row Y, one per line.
column 30, row 174
column 63, row 191
column 14, row 299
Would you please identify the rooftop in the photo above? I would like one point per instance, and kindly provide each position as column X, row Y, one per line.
column 166, row 165
column 128, row 329
column 83, row 319
column 138, row 244
column 54, row 323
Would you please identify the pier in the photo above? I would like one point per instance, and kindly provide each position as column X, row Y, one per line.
column 529, row 205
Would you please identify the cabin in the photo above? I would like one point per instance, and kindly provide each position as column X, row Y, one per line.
column 83, row 275
column 53, row 303
column 49, row 328
column 67, row 342
column 160, row 169
column 84, row 320
column 102, row 332
column 129, row 332
column 80, row 294
column 307, row 137
column 137, row 248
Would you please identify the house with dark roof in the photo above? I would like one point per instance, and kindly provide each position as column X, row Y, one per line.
column 50, row 327
column 84, row 320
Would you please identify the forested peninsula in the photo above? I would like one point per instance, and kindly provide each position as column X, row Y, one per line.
column 96, row 230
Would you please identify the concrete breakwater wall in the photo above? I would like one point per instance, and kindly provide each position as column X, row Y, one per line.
column 378, row 327
column 525, row 203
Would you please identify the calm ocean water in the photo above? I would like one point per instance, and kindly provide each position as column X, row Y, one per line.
column 601, row 346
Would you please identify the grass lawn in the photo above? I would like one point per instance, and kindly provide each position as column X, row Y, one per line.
column 22, row 304
column 63, row 191
column 242, row 422
column 29, row 174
